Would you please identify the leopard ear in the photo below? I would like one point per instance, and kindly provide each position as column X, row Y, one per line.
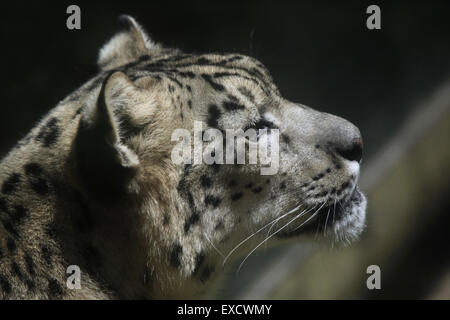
column 130, row 43
column 104, row 166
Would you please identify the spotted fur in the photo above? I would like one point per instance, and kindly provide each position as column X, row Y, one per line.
column 93, row 184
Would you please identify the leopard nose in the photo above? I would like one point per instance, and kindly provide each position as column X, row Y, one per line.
column 343, row 137
column 352, row 150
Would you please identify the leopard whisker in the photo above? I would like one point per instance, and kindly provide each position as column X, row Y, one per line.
column 313, row 215
column 266, row 239
column 326, row 221
column 212, row 244
column 268, row 233
column 256, row 232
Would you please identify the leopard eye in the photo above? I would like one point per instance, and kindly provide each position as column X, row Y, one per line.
column 264, row 124
column 261, row 124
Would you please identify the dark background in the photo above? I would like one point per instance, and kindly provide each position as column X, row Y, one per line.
column 320, row 54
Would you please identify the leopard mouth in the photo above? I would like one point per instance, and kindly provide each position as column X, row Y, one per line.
column 342, row 220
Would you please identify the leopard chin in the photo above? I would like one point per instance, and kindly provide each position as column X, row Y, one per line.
column 342, row 221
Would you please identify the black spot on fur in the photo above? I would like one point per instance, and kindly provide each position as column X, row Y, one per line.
column 34, row 172
column 264, row 124
column 78, row 112
column 16, row 217
column 11, row 184
column 3, row 206
column 19, row 214
column 175, row 255
column 235, row 58
column 10, row 228
column 237, row 196
column 30, row 284
column 244, row 91
column 30, row 265
column 216, row 86
column 223, row 74
column 193, row 219
column 213, row 201
column 5, row 284
column 17, row 271
column 213, row 116
column 33, row 169
column 231, row 106
column 282, row 185
column 205, row 181
column 49, row 133
column 188, row 74
column 285, row 138
column 11, row 245
column 345, row 185
column 203, row 61
column 328, row 170
column 257, row 190
column 318, row 177
column 55, row 290
column 40, row 186
column 249, row 185
column 47, row 253
column 178, row 83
